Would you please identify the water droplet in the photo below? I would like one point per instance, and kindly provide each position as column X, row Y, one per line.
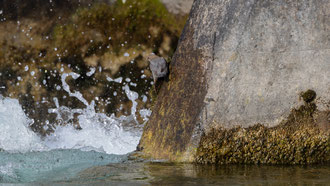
column 144, row 98
column 133, row 84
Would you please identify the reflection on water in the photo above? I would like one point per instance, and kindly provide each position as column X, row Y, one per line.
column 190, row 174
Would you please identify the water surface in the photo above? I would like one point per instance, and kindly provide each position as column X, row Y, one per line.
column 153, row 173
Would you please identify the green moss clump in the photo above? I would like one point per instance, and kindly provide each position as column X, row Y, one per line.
column 298, row 140
column 308, row 96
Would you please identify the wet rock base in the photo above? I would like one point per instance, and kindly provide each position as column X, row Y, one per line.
column 304, row 138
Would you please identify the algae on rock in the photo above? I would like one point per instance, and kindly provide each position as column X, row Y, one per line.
column 297, row 140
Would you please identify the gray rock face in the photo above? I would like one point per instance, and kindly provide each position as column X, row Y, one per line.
column 264, row 55
column 253, row 58
column 178, row 6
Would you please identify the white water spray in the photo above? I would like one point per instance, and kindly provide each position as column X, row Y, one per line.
column 98, row 131
column 27, row 157
column 15, row 134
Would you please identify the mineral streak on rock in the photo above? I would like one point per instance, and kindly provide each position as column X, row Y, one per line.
column 240, row 63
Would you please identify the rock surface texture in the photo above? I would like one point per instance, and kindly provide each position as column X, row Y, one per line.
column 178, row 6
column 240, row 63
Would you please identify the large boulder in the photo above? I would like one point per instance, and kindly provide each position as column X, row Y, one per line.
column 246, row 71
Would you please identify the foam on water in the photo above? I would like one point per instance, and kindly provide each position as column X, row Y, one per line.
column 99, row 133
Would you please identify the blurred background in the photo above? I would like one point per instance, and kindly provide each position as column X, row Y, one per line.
column 106, row 42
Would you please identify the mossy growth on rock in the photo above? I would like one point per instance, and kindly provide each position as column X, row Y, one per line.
column 298, row 140
column 308, row 96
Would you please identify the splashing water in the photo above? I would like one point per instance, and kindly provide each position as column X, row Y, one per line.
column 99, row 132
column 15, row 134
column 26, row 157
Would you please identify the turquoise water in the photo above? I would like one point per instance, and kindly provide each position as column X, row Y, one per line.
column 50, row 166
